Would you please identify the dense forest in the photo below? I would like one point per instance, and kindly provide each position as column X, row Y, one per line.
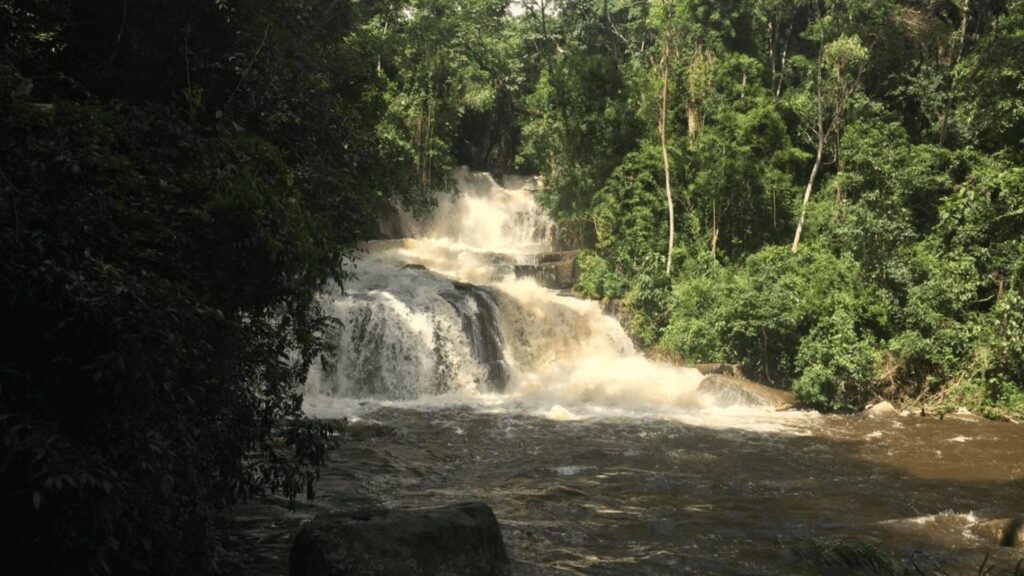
column 828, row 193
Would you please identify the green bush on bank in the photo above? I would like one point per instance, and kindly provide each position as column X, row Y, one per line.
column 775, row 314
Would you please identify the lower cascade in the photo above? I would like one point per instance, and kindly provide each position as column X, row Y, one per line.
column 454, row 310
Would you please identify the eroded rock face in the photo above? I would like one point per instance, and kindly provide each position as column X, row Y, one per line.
column 730, row 390
column 456, row 540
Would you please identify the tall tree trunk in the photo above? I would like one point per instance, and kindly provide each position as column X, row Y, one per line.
column 714, row 230
column 782, row 68
column 820, row 132
column 807, row 192
column 951, row 94
column 663, row 132
column 839, row 172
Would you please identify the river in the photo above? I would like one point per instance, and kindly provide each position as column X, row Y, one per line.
column 466, row 380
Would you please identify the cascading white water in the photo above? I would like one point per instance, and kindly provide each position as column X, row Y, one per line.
column 441, row 314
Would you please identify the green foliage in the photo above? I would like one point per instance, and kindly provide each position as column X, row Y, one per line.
column 761, row 314
column 912, row 238
column 991, row 382
column 597, row 279
column 177, row 183
column 993, row 81
column 630, row 212
column 837, row 364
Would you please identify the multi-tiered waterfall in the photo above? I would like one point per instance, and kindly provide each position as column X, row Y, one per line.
column 442, row 313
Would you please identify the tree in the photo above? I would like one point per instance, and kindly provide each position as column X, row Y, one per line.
column 843, row 59
column 663, row 134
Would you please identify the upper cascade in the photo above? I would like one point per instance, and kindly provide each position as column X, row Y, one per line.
column 485, row 216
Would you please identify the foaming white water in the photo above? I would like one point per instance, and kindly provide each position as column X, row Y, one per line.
column 483, row 216
column 441, row 318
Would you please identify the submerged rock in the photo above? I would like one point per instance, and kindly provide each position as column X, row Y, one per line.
column 1004, row 531
column 456, row 540
column 730, row 390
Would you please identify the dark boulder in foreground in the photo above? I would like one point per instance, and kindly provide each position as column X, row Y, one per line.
column 729, row 390
column 457, row 540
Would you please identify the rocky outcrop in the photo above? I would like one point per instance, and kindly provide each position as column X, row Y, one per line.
column 1003, row 531
column 730, row 390
column 719, row 368
column 457, row 540
column 555, row 270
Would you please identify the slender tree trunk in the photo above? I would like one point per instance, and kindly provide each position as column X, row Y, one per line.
column 782, row 69
column 820, row 132
column 839, row 171
column 807, row 191
column 951, row 94
column 430, row 126
column 663, row 132
column 700, row 68
column 714, row 230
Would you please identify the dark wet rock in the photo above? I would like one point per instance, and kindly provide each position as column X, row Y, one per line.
column 480, row 325
column 558, row 275
column 555, row 270
column 881, row 410
column 1003, row 531
column 525, row 270
column 718, row 368
column 457, row 540
column 730, row 390
column 560, row 256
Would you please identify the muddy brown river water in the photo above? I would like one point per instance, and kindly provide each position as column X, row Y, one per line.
column 652, row 496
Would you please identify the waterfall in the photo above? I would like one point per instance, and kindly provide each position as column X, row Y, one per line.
column 442, row 313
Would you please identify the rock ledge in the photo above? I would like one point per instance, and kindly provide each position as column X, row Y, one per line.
column 730, row 390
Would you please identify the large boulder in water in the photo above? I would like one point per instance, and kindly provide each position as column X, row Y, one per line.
column 457, row 540
column 1004, row 531
column 881, row 409
column 730, row 390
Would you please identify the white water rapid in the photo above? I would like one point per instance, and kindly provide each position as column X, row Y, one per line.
column 441, row 317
